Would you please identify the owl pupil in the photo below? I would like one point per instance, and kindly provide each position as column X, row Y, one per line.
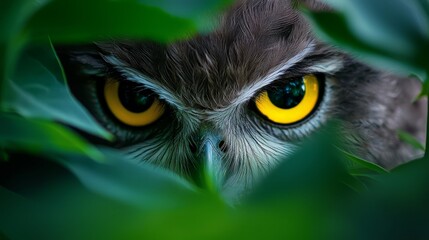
column 134, row 97
column 288, row 95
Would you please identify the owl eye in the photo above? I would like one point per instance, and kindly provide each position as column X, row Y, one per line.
column 290, row 102
column 131, row 103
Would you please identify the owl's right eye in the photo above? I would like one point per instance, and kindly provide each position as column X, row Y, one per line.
column 131, row 103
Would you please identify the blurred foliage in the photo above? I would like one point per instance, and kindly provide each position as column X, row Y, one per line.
column 37, row 136
column 45, row 96
column 86, row 192
column 395, row 37
column 411, row 140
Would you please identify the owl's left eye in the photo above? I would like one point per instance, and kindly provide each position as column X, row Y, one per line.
column 131, row 103
column 292, row 101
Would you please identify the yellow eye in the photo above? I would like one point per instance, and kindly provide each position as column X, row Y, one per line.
column 131, row 103
column 291, row 102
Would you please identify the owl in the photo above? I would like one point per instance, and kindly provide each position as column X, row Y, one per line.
column 238, row 100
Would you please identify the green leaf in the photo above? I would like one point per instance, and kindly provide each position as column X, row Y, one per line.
column 410, row 139
column 140, row 185
column 355, row 163
column 403, row 194
column 65, row 211
column 425, row 90
column 14, row 14
column 315, row 169
column 364, row 172
column 57, row 208
column 117, row 198
column 395, row 30
column 41, row 137
column 397, row 39
column 188, row 8
column 38, row 90
column 4, row 156
column 12, row 205
column 83, row 21
column 203, row 13
column 113, row 175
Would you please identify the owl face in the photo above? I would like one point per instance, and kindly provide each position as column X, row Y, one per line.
column 233, row 103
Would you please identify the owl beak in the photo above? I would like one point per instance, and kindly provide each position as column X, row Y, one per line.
column 209, row 157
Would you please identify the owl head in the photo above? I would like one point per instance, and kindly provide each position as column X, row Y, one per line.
column 235, row 102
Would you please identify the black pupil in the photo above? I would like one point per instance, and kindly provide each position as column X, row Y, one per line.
column 288, row 95
column 134, row 97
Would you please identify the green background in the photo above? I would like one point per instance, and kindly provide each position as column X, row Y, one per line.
column 71, row 189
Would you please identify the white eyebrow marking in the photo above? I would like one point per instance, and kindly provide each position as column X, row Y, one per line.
column 248, row 93
column 328, row 66
column 186, row 114
column 134, row 75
